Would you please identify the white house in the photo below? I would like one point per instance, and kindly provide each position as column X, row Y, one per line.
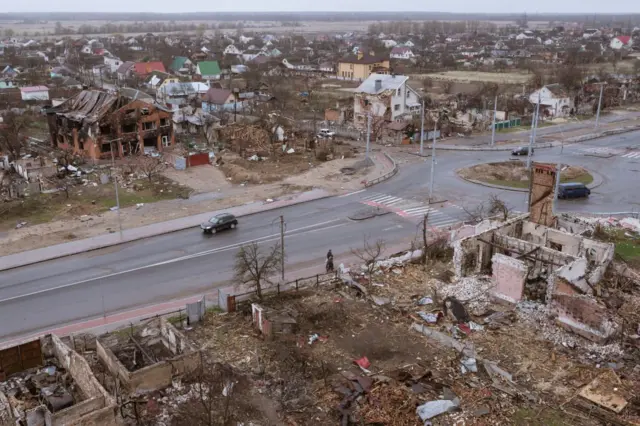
column 112, row 63
column 409, row 43
column 231, row 50
column 387, row 97
column 35, row 93
column 250, row 55
column 619, row 42
column 554, row 101
column 399, row 52
column 388, row 44
column 591, row 33
column 244, row 39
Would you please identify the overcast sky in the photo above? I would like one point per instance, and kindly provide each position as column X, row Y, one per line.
column 469, row 6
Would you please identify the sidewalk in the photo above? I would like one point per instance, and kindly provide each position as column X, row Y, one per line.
column 381, row 167
column 128, row 235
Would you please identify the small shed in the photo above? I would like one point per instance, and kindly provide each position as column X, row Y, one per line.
column 35, row 93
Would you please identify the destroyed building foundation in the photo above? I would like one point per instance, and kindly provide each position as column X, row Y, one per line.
column 147, row 357
column 537, row 262
column 47, row 383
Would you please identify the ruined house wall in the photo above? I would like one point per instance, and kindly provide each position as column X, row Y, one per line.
column 509, row 275
column 174, row 340
column 111, row 361
column 543, row 254
column 150, row 378
column 185, row 363
column 73, row 414
column 585, row 316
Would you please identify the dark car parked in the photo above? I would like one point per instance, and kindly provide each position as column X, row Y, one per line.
column 522, row 150
column 573, row 190
column 219, row 222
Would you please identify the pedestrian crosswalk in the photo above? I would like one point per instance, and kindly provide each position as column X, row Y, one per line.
column 632, row 155
column 602, row 151
column 409, row 209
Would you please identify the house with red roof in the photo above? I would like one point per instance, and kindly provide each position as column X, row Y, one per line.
column 620, row 42
column 143, row 69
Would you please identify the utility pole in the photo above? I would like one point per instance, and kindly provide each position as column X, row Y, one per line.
column 599, row 104
column 368, row 134
column 493, row 126
column 433, row 161
column 115, row 182
column 282, row 246
column 555, row 192
column 422, row 129
column 534, row 125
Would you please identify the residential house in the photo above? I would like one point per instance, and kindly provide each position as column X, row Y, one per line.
column 591, row 33
column 158, row 79
column 181, row 65
column 94, row 123
column 386, row 97
column 143, row 69
column 124, row 70
column 250, row 55
column 35, row 93
column 554, row 101
column 388, row 44
column 112, row 63
column 231, row 50
column 208, row 70
column 360, row 66
column 401, row 52
column 245, row 40
column 620, row 42
column 409, row 43
column 178, row 94
column 218, row 100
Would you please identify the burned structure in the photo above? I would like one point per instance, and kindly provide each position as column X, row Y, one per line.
column 147, row 357
column 94, row 122
column 550, row 265
column 45, row 382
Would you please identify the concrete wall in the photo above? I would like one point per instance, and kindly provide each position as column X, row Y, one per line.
column 585, row 316
column 509, row 275
column 112, row 363
column 150, row 378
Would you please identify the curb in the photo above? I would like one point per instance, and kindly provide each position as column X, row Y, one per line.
column 7, row 264
column 573, row 140
column 592, row 185
column 385, row 176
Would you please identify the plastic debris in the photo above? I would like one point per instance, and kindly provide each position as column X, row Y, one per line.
column 139, row 205
column 363, row 362
column 425, row 301
column 475, row 327
column 468, row 364
column 291, row 151
column 432, row 409
column 429, row 317
column 313, row 338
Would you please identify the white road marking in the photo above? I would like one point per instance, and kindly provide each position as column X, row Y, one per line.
column 423, row 208
column 632, row 155
column 351, row 193
column 266, row 238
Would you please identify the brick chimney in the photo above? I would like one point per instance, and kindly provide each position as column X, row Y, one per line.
column 360, row 54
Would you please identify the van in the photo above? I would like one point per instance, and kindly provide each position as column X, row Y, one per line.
column 573, row 190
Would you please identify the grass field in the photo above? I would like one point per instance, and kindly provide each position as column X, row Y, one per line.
column 513, row 174
column 478, row 76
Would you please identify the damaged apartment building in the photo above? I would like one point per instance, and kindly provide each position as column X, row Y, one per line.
column 531, row 261
column 44, row 382
column 94, row 122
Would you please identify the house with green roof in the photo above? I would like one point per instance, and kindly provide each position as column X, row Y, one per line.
column 208, row 70
column 181, row 64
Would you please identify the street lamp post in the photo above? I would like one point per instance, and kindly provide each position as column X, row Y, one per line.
column 115, row 182
column 433, row 160
column 534, row 125
column 599, row 105
column 368, row 134
column 422, row 130
column 493, row 125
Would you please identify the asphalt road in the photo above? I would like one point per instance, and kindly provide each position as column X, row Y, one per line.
column 62, row 291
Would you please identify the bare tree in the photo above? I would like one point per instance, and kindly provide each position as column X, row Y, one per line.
column 150, row 167
column 13, row 138
column 447, row 86
column 370, row 253
column 215, row 402
column 255, row 267
column 497, row 207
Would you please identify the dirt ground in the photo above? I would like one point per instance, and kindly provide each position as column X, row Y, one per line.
column 512, row 173
column 210, row 190
column 478, row 76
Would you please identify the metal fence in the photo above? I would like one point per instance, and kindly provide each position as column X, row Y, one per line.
column 386, row 175
column 339, row 130
column 298, row 284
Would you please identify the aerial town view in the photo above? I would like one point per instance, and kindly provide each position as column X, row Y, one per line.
column 320, row 214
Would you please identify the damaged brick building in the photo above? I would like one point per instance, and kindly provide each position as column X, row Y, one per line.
column 547, row 264
column 94, row 122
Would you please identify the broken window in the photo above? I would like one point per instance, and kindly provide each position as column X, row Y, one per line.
column 149, row 125
column 144, row 111
column 164, row 122
column 396, row 107
column 105, row 129
column 129, row 128
column 165, row 141
column 150, row 142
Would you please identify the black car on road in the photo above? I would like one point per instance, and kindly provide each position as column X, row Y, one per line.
column 219, row 222
column 573, row 190
column 521, row 150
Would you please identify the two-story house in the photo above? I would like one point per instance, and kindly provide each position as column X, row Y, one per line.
column 401, row 52
column 95, row 122
column 361, row 65
column 554, row 101
column 386, row 97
